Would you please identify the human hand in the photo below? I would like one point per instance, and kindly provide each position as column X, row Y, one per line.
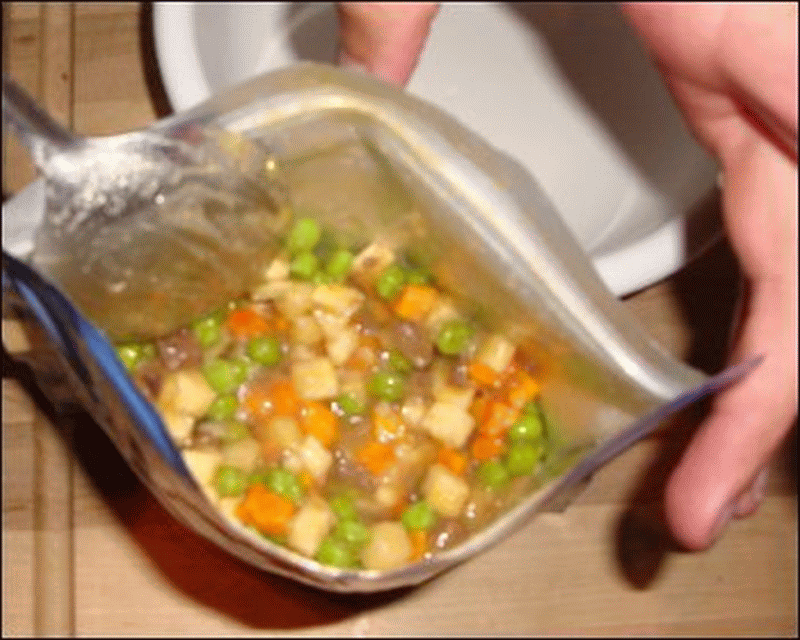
column 732, row 70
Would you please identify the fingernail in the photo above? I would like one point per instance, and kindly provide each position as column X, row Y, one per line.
column 749, row 501
column 724, row 518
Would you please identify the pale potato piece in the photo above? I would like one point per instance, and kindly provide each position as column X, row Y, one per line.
column 445, row 492
column 309, row 526
column 449, row 423
column 315, row 379
column 202, row 463
column 186, row 392
column 496, row 352
column 317, row 460
column 389, row 547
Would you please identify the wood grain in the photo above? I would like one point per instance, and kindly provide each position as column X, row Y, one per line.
column 88, row 551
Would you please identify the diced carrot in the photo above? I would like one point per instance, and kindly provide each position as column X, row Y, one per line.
column 478, row 407
column 246, row 323
column 279, row 398
column 453, row 460
column 415, row 301
column 306, row 480
column 376, row 457
column 499, row 416
column 522, row 387
column 319, row 421
column 419, row 543
column 483, row 374
column 399, row 507
column 285, row 401
column 266, row 511
column 485, row 447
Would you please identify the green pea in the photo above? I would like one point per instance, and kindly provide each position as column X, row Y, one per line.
column 237, row 431
column 386, row 385
column 417, row 276
column 320, row 277
column 260, row 476
column 344, row 507
column 418, row 516
column 493, row 474
column 334, row 553
column 148, row 352
column 399, row 362
column 522, row 458
column 390, row 282
column 283, row 482
column 265, row 350
column 304, row 235
column 130, row 354
column 223, row 407
column 225, row 376
column 528, row 428
column 351, row 405
column 454, row 337
column 304, row 265
column 208, row 331
column 351, row 532
column 230, row 481
column 339, row 264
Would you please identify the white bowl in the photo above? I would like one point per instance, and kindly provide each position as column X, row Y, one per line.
column 564, row 88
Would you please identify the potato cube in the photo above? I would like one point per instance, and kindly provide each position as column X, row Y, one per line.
column 449, row 423
column 315, row 379
column 331, row 324
column 284, row 431
column 296, row 300
column 442, row 311
column 496, row 352
column 271, row 290
column 179, row 425
column 461, row 397
column 445, row 492
column 389, row 547
column 305, row 330
column 309, row 526
column 277, row 270
column 202, row 463
column 341, row 346
column 317, row 460
column 338, row 299
column 243, row 454
column 186, row 392
column 413, row 410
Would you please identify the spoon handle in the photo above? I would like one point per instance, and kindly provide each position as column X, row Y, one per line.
column 35, row 128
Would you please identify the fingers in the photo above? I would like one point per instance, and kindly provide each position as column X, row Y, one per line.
column 749, row 420
column 384, row 38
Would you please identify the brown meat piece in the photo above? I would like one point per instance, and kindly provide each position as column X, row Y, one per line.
column 181, row 349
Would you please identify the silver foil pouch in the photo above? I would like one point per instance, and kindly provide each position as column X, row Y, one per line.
column 370, row 161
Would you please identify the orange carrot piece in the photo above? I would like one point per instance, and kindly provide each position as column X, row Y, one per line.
column 484, row 374
column 266, row 511
column 419, row 543
column 376, row 457
column 306, row 480
column 453, row 460
column 415, row 301
column 246, row 323
column 319, row 421
column 499, row 416
column 522, row 387
column 485, row 447
column 279, row 398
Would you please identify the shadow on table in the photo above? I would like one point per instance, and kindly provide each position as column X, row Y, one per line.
column 707, row 291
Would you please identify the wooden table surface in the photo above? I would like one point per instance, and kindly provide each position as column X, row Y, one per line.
column 88, row 551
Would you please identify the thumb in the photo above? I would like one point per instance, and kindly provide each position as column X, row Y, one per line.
column 384, row 38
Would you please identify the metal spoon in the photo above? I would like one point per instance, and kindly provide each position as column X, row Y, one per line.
column 183, row 212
